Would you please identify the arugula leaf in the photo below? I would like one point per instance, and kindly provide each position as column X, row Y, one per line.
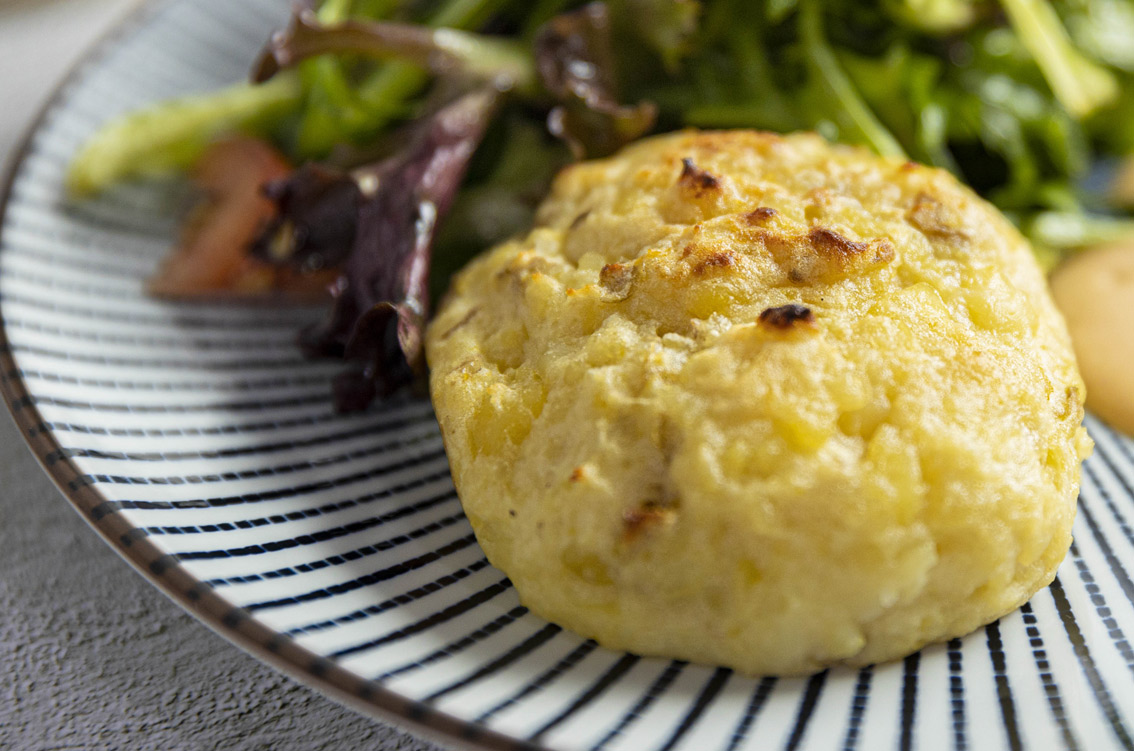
column 853, row 118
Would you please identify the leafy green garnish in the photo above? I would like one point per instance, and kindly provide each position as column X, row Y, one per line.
column 1080, row 85
column 174, row 134
column 1020, row 98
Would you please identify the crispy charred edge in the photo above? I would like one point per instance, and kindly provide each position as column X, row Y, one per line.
column 787, row 317
column 719, row 259
column 935, row 219
column 641, row 519
column 822, row 255
column 845, row 252
column 697, row 181
column 660, row 501
column 831, row 243
column 616, row 278
column 523, row 269
column 839, row 256
column 703, row 257
column 760, row 214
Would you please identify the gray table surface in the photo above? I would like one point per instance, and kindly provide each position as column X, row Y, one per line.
column 91, row 655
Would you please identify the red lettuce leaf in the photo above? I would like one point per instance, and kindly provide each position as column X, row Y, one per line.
column 315, row 221
column 575, row 63
column 380, row 223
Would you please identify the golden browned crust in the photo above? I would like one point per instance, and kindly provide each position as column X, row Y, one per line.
column 759, row 401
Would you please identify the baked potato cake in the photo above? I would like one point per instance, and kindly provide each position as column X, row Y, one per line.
column 762, row 402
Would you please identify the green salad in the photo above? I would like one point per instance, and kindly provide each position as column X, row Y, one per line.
column 1029, row 102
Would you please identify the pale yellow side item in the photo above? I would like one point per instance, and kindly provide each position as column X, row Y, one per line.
column 665, row 455
column 1095, row 291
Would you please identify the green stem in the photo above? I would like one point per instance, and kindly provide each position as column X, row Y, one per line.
column 382, row 97
column 1080, row 85
column 1071, row 229
column 172, row 135
column 396, row 81
column 477, row 55
column 329, row 92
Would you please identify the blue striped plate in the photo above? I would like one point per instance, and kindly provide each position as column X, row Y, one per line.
column 203, row 447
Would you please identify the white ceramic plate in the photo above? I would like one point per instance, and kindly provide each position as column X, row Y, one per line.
column 200, row 443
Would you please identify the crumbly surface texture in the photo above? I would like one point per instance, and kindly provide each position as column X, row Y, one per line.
column 763, row 402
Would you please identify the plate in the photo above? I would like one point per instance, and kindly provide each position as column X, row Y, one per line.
column 205, row 449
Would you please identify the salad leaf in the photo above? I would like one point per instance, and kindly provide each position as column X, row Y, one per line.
column 669, row 26
column 506, row 182
column 575, row 61
column 381, row 298
column 174, row 134
column 1103, row 29
column 933, row 16
column 1023, row 99
column 441, row 50
column 850, row 113
column 1079, row 84
column 316, row 217
column 1074, row 229
column 353, row 106
column 328, row 96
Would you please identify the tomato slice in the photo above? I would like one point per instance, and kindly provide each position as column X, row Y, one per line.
column 212, row 257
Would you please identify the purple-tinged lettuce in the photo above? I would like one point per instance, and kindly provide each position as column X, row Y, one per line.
column 380, row 223
column 575, row 62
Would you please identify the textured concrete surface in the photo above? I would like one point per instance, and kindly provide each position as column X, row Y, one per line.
column 91, row 655
column 94, row 657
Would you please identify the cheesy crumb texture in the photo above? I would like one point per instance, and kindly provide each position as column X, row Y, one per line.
column 759, row 401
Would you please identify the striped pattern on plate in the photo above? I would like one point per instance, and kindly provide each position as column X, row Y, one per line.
column 200, row 443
